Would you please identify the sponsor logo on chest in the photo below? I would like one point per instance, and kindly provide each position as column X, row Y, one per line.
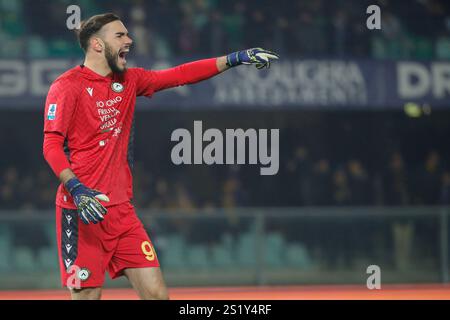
column 109, row 103
column 108, row 111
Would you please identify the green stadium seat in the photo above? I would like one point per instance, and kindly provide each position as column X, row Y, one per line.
column 443, row 48
column 50, row 232
column 227, row 241
column 24, row 259
column 222, row 256
column 197, row 257
column 274, row 249
column 11, row 6
column 11, row 18
column 5, row 248
column 61, row 48
column 378, row 48
column 174, row 254
column 5, row 231
column 11, row 48
column 48, row 259
column 297, row 256
column 423, row 48
column 37, row 47
column 246, row 250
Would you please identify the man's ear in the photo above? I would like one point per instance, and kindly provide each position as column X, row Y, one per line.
column 97, row 44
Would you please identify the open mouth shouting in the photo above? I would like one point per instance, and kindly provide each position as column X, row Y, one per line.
column 122, row 55
column 117, row 62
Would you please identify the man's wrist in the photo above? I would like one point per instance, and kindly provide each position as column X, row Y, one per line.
column 233, row 59
column 66, row 175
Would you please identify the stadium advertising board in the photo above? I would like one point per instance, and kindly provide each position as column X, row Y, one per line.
column 299, row 84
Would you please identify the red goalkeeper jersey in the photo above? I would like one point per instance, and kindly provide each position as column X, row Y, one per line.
column 95, row 116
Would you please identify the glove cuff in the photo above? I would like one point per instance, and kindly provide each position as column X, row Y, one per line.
column 233, row 59
column 72, row 184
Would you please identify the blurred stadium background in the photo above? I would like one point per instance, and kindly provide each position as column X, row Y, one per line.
column 364, row 119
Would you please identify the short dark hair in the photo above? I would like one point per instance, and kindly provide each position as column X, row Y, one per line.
column 91, row 26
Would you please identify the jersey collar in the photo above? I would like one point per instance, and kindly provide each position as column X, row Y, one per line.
column 93, row 75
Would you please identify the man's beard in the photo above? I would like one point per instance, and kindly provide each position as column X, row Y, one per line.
column 113, row 60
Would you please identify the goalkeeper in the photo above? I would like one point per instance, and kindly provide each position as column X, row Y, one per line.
column 88, row 130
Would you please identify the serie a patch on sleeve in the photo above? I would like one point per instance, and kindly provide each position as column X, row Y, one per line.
column 51, row 114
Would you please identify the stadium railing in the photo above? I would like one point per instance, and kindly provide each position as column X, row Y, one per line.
column 254, row 246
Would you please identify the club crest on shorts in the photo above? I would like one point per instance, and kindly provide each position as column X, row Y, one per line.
column 83, row 274
column 117, row 87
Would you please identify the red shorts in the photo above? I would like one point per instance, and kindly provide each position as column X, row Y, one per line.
column 87, row 251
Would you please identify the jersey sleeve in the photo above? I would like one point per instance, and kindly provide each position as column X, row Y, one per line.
column 59, row 107
column 54, row 153
column 150, row 81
